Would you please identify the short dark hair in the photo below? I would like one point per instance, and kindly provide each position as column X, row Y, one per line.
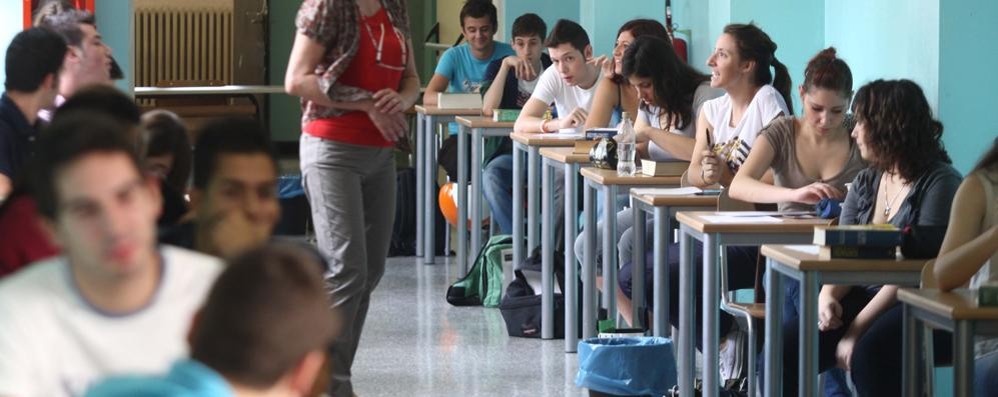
column 32, row 55
column 66, row 22
column 265, row 312
column 480, row 9
column 229, row 135
column 70, row 137
column 565, row 31
column 105, row 99
column 529, row 24
column 163, row 133
column 900, row 128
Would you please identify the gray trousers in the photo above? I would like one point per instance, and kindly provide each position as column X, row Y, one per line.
column 351, row 190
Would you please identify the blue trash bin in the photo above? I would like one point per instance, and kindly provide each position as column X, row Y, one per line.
column 631, row 366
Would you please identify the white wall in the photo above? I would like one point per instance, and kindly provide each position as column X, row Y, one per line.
column 10, row 24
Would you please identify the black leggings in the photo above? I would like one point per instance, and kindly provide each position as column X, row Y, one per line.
column 741, row 263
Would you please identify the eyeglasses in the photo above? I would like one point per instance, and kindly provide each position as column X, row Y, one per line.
column 379, row 45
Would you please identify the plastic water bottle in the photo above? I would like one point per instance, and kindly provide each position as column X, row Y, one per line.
column 625, row 147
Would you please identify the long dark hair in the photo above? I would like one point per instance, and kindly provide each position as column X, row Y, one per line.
column 900, row 128
column 640, row 28
column 755, row 45
column 674, row 81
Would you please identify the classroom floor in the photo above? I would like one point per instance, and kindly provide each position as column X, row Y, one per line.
column 416, row 344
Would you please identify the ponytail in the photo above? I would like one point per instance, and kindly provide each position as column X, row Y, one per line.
column 781, row 82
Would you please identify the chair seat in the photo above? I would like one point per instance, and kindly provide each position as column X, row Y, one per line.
column 756, row 310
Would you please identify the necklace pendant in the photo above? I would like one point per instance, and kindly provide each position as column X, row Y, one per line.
column 887, row 212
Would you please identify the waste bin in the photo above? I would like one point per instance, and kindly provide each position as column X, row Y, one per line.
column 629, row 366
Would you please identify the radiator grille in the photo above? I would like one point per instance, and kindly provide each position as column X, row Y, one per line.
column 176, row 45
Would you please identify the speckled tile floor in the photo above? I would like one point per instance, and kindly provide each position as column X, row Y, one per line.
column 416, row 344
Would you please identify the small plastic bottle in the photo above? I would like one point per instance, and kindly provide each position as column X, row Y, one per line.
column 625, row 147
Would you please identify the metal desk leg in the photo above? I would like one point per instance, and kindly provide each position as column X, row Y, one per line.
column 687, row 314
column 571, row 286
column 660, row 272
column 462, row 200
column 711, row 303
column 963, row 359
column 430, row 180
column 476, row 193
column 588, row 262
column 638, row 267
column 420, row 168
column 610, row 251
column 517, row 203
column 547, row 251
column 773, row 384
column 533, row 210
column 912, row 334
column 808, row 355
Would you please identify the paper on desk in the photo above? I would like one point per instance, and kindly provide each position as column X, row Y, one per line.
column 725, row 218
column 567, row 133
column 807, row 249
column 664, row 191
column 751, row 214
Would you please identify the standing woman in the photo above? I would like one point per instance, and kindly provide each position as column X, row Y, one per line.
column 616, row 95
column 353, row 67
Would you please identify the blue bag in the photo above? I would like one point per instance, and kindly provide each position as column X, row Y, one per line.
column 828, row 208
column 627, row 366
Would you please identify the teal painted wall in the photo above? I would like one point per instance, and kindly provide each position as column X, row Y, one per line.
column 602, row 19
column 10, row 25
column 285, row 113
column 550, row 10
column 887, row 39
column 116, row 24
column 796, row 26
column 966, row 95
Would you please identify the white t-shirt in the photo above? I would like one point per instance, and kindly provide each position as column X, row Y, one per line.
column 732, row 143
column 703, row 93
column 552, row 88
column 54, row 343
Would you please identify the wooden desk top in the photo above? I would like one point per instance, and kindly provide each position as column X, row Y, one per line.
column 564, row 155
column 689, row 200
column 483, row 122
column 804, row 257
column 960, row 304
column 432, row 110
column 544, row 140
column 698, row 221
column 609, row 177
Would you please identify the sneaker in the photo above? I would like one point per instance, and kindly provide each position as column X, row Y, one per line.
column 731, row 360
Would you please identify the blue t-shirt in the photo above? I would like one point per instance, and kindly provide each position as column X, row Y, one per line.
column 465, row 72
column 187, row 378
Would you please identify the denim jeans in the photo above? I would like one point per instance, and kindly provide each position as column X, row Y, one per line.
column 497, row 187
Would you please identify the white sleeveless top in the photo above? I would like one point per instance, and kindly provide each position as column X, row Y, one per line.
column 989, row 180
column 733, row 143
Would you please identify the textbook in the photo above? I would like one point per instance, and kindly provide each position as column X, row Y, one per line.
column 663, row 168
column 885, row 235
column 505, row 115
column 459, row 101
column 856, row 252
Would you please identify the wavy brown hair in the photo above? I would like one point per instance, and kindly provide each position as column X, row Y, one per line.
column 675, row 82
column 900, row 129
column 639, row 28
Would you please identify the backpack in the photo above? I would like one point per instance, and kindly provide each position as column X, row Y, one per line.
column 521, row 306
column 482, row 286
column 404, row 229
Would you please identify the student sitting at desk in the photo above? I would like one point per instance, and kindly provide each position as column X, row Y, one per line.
column 615, row 94
column 671, row 93
column 910, row 182
column 511, row 82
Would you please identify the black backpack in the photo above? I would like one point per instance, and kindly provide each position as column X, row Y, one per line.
column 521, row 307
column 404, row 230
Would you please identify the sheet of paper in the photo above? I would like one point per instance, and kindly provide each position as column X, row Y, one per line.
column 807, row 249
column 739, row 219
column 664, row 191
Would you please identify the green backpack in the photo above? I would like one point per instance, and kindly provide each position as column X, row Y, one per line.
column 482, row 286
